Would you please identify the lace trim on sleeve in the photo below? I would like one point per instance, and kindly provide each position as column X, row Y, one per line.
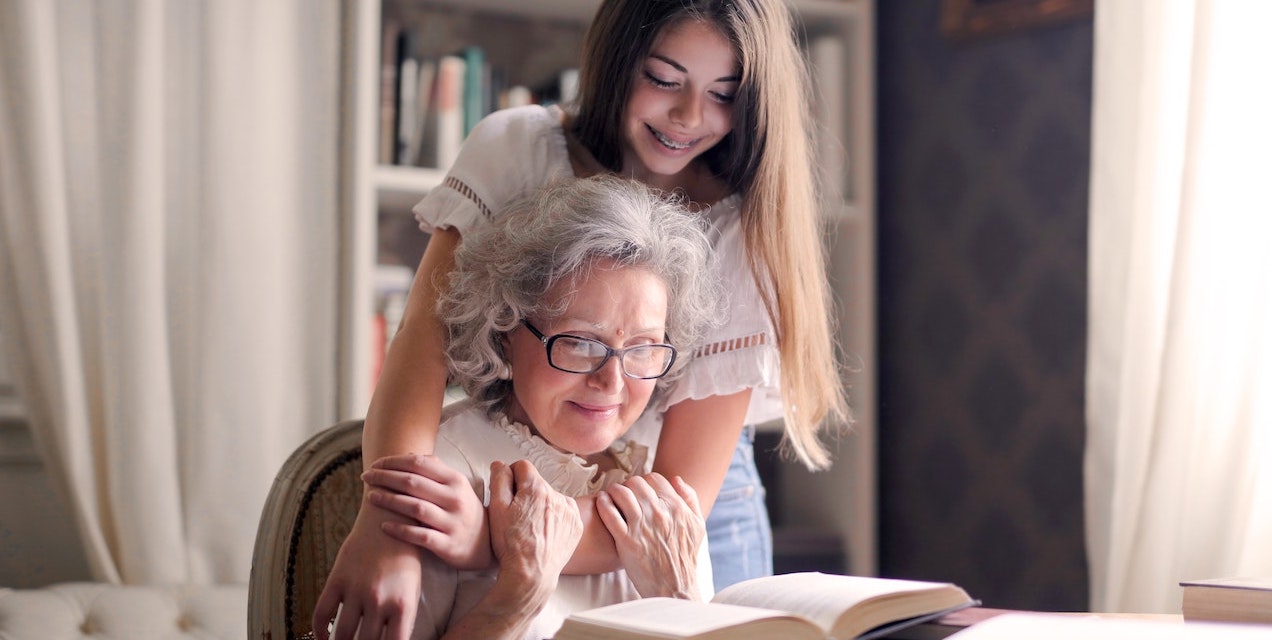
column 732, row 344
column 463, row 189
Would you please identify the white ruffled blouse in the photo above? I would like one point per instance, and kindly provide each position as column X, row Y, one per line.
column 469, row 441
column 570, row 474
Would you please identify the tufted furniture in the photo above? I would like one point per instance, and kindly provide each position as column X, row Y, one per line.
column 75, row 610
column 308, row 513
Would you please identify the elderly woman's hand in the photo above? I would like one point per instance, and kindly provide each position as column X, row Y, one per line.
column 657, row 527
column 534, row 529
column 450, row 519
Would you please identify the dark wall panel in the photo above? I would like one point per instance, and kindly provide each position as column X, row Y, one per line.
column 983, row 162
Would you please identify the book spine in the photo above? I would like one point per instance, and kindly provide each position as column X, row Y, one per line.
column 423, row 104
column 388, row 89
column 568, row 82
column 516, row 96
column 449, row 112
column 474, row 86
column 408, row 94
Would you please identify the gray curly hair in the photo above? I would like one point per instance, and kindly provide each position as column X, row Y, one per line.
column 503, row 271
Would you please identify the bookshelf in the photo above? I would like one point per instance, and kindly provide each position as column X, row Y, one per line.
column 839, row 38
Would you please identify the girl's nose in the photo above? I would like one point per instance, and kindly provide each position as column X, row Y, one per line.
column 688, row 110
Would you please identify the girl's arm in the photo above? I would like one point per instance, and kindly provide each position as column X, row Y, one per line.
column 697, row 443
column 407, row 404
column 375, row 578
column 698, row 439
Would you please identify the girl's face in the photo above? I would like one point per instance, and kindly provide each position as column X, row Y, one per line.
column 681, row 103
column 583, row 413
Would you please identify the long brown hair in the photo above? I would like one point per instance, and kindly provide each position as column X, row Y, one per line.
column 768, row 158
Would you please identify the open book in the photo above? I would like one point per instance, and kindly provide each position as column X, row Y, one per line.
column 794, row 605
column 1228, row 599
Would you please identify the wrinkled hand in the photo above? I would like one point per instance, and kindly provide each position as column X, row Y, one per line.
column 447, row 516
column 534, row 529
column 374, row 583
column 657, row 527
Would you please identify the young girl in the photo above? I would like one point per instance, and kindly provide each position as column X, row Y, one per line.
column 704, row 97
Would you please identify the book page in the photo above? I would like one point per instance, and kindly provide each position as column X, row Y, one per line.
column 674, row 618
column 824, row 597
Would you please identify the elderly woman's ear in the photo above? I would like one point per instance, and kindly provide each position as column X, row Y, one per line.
column 504, row 370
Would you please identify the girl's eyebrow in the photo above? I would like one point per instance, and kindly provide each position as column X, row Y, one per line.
column 681, row 68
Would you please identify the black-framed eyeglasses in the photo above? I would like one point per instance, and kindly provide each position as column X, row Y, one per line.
column 576, row 354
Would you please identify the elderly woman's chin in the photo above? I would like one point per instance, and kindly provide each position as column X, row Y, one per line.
column 580, row 428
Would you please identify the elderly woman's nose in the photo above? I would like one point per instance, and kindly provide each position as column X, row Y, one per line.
column 609, row 377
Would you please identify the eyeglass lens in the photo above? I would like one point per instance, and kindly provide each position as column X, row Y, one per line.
column 582, row 355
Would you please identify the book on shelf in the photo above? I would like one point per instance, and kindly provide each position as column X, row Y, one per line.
column 476, row 80
column 568, row 83
column 517, row 95
column 389, row 37
column 408, row 93
column 417, row 133
column 392, row 286
column 443, row 129
column 1228, row 600
column 808, row 605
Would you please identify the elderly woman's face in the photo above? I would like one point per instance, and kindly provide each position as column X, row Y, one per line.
column 584, row 413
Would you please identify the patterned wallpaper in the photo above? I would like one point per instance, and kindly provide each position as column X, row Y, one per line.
column 982, row 161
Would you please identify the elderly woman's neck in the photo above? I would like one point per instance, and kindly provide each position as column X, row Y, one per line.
column 604, row 459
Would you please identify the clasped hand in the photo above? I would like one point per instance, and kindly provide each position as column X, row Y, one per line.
column 657, row 525
column 375, row 581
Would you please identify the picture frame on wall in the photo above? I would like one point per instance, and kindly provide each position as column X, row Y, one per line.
column 968, row 20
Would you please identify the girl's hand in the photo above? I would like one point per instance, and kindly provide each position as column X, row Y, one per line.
column 657, row 527
column 447, row 516
column 374, row 584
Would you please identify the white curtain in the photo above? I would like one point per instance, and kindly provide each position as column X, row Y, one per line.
column 168, row 178
column 1179, row 386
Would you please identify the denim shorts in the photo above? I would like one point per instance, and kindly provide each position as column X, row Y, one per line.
column 739, row 535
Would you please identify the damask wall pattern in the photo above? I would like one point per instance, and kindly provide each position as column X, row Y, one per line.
column 982, row 161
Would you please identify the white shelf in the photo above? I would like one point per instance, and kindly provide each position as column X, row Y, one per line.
column 398, row 188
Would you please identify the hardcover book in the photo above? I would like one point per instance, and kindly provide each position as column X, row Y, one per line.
column 1228, row 600
column 809, row 605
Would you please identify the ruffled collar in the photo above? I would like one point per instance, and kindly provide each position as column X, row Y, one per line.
column 568, row 473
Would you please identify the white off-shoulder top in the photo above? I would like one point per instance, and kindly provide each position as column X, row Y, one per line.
column 514, row 151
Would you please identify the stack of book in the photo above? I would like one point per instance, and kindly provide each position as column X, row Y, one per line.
column 429, row 102
column 1228, row 600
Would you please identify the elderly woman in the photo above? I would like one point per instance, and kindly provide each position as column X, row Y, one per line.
column 564, row 319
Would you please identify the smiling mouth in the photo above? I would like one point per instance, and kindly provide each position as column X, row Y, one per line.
column 597, row 410
column 668, row 142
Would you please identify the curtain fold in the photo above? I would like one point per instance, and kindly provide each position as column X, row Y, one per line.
column 1179, row 396
column 168, row 280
